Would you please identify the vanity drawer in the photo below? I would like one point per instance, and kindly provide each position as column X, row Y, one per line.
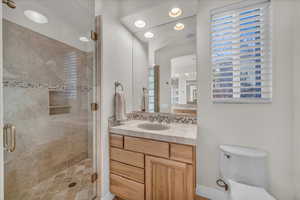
column 127, row 157
column 126, row 189
column 116, row 140
column 127, row 171
column 146, row 146
column 183, row 153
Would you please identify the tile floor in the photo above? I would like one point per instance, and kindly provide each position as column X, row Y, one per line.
column 57, row 187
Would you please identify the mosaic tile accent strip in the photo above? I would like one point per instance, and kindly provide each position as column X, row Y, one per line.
column 157, row 117
column 162, row 117
column 36, row 85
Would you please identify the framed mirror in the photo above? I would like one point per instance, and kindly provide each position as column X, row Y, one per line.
column 164, row 72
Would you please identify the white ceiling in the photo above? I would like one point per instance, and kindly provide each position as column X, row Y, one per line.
column 156, row 15
column 68, row 19
column 165, row 33
column 129, row 7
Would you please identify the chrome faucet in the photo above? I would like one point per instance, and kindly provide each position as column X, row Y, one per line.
column 153, row 118
column 160, row 119
column 165, row 119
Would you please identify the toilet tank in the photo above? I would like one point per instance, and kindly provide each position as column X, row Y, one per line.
column 244, row 165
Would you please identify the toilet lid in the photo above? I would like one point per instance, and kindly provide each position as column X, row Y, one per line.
column 240, row 191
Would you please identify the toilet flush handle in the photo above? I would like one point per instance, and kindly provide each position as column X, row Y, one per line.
column 222, row 184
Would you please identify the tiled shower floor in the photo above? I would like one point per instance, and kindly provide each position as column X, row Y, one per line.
column 57, row 187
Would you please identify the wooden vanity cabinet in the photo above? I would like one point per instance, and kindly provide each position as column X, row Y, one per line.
column 167, row 179
column 143, row 169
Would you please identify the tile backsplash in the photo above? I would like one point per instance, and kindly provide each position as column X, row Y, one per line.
column 167, row 117
column 172, row 118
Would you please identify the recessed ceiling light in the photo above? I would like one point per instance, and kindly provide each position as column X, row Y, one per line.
column 36, row 16
column 175, row 12
column 140, row 23
column 84, row 39
column 179, row 27
column 149, row 35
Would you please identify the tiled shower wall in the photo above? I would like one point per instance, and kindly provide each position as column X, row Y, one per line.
column 46, row 143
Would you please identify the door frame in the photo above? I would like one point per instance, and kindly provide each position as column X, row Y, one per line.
column 97, row 98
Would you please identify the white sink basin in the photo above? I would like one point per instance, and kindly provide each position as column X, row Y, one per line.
column 153, row 126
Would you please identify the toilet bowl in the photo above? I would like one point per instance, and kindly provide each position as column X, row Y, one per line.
column 240, row 191
column 244, row 172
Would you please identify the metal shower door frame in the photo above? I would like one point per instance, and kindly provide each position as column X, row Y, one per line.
column 97, row 143
column 97, row 90
column 1, row 113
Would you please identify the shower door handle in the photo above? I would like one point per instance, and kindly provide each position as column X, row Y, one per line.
column 9, row 137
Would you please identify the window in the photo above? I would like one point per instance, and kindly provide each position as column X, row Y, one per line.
column 241, row 53
column 151, row 90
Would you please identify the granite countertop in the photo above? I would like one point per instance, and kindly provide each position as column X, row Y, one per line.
column 177, row 133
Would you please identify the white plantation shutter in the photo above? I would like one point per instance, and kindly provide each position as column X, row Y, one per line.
column 241, row 53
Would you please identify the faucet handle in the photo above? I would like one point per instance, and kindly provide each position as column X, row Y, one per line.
column 168, row 120
column 160, row 119
column 165, row 119
column 152, row 118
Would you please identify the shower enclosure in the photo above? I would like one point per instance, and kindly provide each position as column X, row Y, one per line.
column 48, row 89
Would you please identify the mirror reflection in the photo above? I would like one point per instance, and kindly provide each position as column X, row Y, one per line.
column 164, row 57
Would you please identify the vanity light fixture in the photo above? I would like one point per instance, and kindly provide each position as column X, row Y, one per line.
column 84, row 39
column 149, row 35
column 175, row 12
column 179, row 27
column 36, row 16
column 140, row 23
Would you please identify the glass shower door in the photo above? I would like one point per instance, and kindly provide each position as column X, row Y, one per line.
column 47, row 92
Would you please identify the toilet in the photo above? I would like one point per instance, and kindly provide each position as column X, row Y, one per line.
column 244, row 171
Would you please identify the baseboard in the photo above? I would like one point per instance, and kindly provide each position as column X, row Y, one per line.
column 107, row 196
column 211, row 193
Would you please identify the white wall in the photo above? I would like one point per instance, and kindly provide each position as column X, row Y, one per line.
column 117, row 64
column 140, row 72
column 163, row 58
column 265, row 126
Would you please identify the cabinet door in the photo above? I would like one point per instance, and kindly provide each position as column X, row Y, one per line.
column 168, row 180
